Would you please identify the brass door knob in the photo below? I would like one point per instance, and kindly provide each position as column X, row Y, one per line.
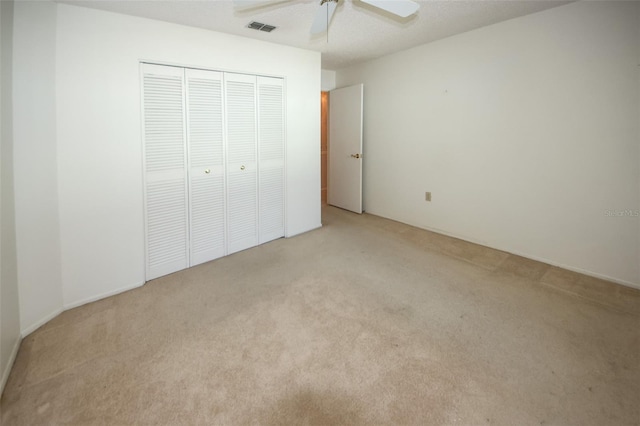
column 207, row 171
column 241, row 167
column 355, row 155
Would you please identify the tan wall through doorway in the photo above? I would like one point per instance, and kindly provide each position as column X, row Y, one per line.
column 324, row 142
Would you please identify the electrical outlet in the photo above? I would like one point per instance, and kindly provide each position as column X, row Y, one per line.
column 427, row 196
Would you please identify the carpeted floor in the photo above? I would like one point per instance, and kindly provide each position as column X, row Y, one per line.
column 365, row 321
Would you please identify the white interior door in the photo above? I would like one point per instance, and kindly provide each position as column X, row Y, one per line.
column 242, row 164
column 205, row 145
column 165, row 170
column 345, row 148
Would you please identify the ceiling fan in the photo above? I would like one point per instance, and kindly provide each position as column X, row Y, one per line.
column 402, row 8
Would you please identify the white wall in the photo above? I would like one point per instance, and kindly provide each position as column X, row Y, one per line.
column 328, row 80
column 35, row 166
column 526, row 132
column 9, row 310
column 99, row 135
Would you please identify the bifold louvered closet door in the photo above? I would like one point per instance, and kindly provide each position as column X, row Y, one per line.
column 205, row 141
column 165, row 164
column 213, row 164
column 271, row 154
column 242, row 171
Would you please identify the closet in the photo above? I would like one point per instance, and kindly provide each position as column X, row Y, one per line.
column 213, row 164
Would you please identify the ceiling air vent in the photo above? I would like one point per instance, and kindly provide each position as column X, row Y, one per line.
column 261, row 27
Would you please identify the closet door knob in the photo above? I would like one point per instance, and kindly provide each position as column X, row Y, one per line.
column 241, row 167
column 207, row 171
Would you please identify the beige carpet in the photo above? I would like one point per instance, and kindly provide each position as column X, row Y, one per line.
column 365, row 321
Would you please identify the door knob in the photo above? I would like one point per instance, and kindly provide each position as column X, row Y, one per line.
column 207, row 171
column 241, row 167
column 355, row 155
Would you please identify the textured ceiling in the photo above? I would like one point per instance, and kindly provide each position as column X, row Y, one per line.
column 358, row 32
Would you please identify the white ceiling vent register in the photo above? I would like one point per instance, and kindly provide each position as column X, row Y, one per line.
column 261, row 27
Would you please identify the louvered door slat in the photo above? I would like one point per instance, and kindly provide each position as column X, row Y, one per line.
column 206, row 165
column 271, row 158
column 165, row 170
column 242, row 193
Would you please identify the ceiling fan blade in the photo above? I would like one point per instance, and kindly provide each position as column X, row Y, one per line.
column 402, row 8
column 245, row 4
column 323, row 17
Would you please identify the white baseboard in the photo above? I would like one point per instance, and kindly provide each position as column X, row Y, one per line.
column 579, row 270
column 33, row 327
column 81, row 302
column 303, row 232
column 517, row 253
column 7, row 368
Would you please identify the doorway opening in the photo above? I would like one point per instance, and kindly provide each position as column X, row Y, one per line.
column 324, row 144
